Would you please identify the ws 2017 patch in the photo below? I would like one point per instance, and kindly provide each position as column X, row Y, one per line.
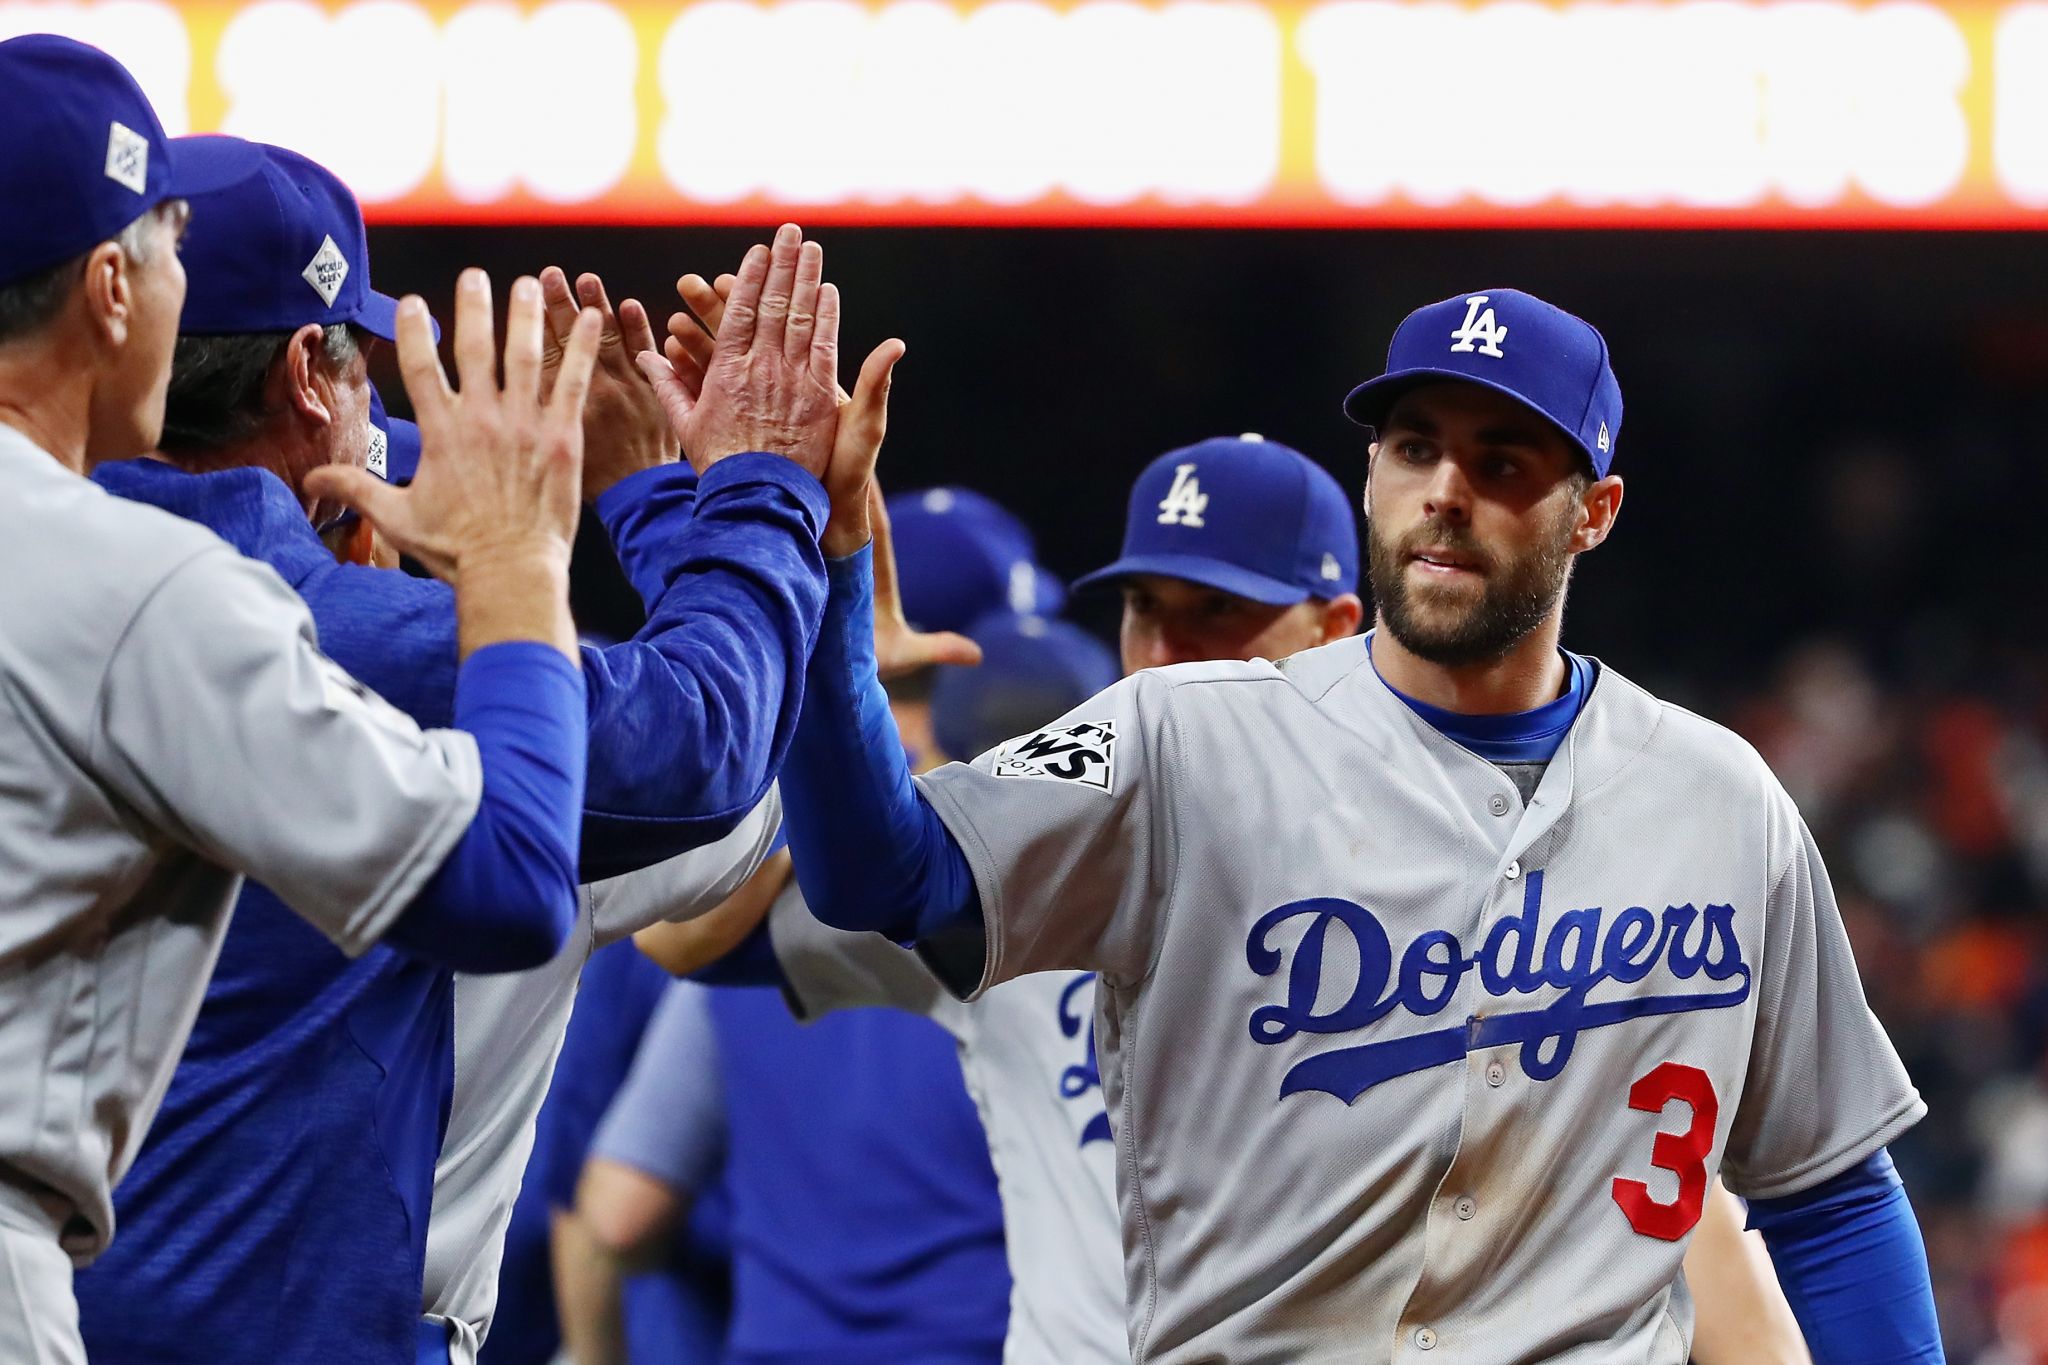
column 1084, row 753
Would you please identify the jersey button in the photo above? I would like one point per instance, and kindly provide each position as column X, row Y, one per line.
column 1496, row 1074
column 1497, row 803
column 1514, row 870
column 1466, row 1207
column 1425, row 1338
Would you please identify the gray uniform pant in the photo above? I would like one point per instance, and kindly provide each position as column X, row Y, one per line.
column 38, row 1314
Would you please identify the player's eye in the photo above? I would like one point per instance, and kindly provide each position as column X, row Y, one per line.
column 1412, row 450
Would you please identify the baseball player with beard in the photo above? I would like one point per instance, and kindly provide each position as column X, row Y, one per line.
column 1441, row 969
column 1234, row 548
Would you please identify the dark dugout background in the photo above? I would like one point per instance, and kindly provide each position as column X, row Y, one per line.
column 1833, row 450
column 1828, row 431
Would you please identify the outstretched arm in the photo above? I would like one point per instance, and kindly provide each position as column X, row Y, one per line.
column 689, row 720
column 870, row 852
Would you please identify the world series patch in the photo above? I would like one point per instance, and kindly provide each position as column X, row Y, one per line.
column 1083, row 753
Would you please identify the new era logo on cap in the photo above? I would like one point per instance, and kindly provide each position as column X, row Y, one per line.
column 326, row 271
column 379, row 460
column 127, row 157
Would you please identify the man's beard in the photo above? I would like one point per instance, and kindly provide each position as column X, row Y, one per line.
column 1515, row 599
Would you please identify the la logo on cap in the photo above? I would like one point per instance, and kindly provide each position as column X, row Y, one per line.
column 127, row 158
column 1480, row 333
column 326, row 271
column 1185, row 502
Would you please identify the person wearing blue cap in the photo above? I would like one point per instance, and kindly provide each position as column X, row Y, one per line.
column 171, row 725
column 1234, row 548
column 325, row 1207
column 1400, row 1058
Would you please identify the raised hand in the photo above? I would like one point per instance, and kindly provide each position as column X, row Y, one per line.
column 625, row 429
column 863, row 417
column 493, row 508
column 770, row 383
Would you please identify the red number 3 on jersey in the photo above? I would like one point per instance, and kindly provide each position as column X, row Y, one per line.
column 1683, row 1154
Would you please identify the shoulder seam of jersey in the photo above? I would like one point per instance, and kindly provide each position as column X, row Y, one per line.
column 94, row 728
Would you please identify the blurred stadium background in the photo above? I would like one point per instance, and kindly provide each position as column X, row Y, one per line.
column 1809, row 231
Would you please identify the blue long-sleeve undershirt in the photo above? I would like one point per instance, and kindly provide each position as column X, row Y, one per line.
column 870, row 852
column 688, row 722
column 1852, row 1265
column 505, row 897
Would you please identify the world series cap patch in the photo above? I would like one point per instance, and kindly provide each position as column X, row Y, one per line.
column 326, row 271
column 127, row 158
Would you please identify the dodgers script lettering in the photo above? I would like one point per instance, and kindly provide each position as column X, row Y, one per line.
column 1577, row 953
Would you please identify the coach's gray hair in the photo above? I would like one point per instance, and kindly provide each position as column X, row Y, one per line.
column 28, row 305
column 216, row 394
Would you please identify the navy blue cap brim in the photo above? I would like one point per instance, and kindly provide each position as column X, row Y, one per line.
column 1210, row 573
column 379, row 316
column 205, row 164
column 1369, row 403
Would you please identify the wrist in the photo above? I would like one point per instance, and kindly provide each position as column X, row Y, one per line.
column 848, row 532
column 514, row 591
column 521, row 558
column 602, row 476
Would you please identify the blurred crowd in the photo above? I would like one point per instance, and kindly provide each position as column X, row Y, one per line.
column 1931, row 804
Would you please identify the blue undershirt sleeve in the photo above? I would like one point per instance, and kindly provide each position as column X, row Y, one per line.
column 643, row 514
column 690, row 719
column 870, row 852
column 505, row 899
column 1852, row 1265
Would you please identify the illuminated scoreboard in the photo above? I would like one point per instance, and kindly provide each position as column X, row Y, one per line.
column 1192, row 112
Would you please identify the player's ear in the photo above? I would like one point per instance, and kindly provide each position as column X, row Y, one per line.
column 1599, row 505
column 304, row 375
column 109, row 292
column 1342, row 616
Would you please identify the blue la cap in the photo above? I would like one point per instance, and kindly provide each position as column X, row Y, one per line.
column 1513, row 343
column 961, row 555
column 1243, row 514
column 1033, row 670
column 277, row 244
column 83, row 157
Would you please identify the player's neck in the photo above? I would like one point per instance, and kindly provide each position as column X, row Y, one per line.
column 57, row 422
column 1524, row 678
column 273, row 447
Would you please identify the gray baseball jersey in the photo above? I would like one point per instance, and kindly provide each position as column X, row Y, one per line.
column 1402, row 1068
column 169, row 725
column 508, row 1035
column 1026, row 1050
